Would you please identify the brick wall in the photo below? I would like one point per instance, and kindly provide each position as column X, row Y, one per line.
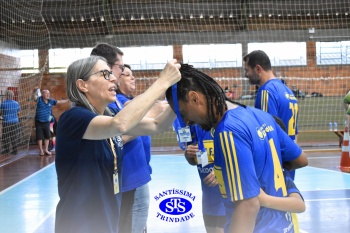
column 300, row 76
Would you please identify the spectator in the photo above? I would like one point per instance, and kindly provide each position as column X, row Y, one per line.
column 9, row 110
column 248, row 145
column 43, row 117
column 229, row 93
column 272, row 96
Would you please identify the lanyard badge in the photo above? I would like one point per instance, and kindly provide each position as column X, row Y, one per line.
column 183, row 131
column 115, row 174
column 184, row 134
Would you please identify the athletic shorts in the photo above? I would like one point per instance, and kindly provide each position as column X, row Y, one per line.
column 42, row 130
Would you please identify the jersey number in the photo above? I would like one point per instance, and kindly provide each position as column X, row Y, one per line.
column 278, row 173
column 292, row 123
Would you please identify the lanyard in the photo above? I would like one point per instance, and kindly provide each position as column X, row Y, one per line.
column 111, row 143
column 115, row 174
column 176, row 106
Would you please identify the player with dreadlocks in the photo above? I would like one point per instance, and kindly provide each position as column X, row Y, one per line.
column 248, row 145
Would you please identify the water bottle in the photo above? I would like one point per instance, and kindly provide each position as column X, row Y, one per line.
column 38, row 92
column 330, row 126
column 335, row 128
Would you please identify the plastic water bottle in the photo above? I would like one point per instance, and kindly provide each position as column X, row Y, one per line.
column 38, row 92
column 335, row 128
column 330, row 126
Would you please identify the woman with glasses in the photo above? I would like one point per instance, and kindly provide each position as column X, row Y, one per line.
column 89, row 142
column 136, row 168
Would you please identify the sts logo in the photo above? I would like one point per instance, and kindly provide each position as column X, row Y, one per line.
column 175, row 205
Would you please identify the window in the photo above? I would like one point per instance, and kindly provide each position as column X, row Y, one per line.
column 60, row 59
column 29, row 61
column 213, row 55
column 283, row 53
column 333, row 53
column 147, row 58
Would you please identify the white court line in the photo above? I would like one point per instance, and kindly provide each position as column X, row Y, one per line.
column 325, row 157
column 28, row 177
column 328, row 170
column 302, row 231
column 328, row 199
column 315, row 190
column 43, row 220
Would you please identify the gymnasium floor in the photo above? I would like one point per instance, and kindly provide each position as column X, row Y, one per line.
column 28, row 194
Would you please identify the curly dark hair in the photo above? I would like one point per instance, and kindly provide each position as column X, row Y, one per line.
column 195, row 80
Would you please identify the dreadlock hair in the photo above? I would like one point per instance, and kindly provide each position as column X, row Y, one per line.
column 195, row 80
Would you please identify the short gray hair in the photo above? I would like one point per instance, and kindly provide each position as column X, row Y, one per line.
column 9, row 94
column 81, row 69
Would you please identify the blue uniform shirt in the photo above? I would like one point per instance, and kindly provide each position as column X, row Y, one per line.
column 136, row 172
column 248, row 154
column 277, row 99
column 146, row 140
column 212, row 202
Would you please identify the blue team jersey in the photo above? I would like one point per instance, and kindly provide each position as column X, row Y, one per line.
column 277, row 99
column 290, row 185
column 248, row 154
column 136, row 172
column 212, row 202
column 146, row 140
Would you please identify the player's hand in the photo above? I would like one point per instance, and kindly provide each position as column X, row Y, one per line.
column 210, row 179
column 190, row 151
column 158, row 108
column 171, row 73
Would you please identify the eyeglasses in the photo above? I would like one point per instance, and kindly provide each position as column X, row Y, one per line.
column 122, row 68
column 106, row 74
